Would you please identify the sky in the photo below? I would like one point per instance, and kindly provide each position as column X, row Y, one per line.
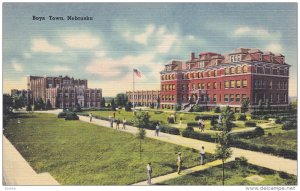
column 146, row 36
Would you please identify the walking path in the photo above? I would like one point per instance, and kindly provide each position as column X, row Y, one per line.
column 183, row 172
column 16, row 170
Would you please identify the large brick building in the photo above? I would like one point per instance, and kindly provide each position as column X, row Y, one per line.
column 213, row 79
column 144, row 97
column 64, row 92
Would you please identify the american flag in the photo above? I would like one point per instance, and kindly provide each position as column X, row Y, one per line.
column 138, row 73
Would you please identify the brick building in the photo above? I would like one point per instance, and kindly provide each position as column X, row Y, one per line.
column 213, row 79
column 144, row 97
column 64, row 92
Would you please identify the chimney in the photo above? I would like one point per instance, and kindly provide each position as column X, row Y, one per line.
column 192, row 55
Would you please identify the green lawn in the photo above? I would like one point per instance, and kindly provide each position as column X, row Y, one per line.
column 235, row 174
column 278, row 138
column 79, row 153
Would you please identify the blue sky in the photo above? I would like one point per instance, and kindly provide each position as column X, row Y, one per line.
column 131, row 35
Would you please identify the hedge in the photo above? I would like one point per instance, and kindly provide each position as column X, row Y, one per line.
column 206, row 117
column 192, row 124
column 169, row 130
column 195, row 135
column 288, row 125
column 257, row 132
column 286, row 153
column 62, row 115
column 242, row 117
column 71, row 116
column 250, row 124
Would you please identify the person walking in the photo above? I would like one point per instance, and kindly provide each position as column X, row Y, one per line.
column 179, row 163
column 202, row 155
column 202, row 126
column 114, row 114
column 157, row 129
column 149, row 172
column 91, row 117
column 117, row 124
column 124, row 123
column 199, row 123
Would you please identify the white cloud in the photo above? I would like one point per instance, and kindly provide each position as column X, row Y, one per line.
column 100, row 54
column 256, row 33
column 42, row 45
column 167, row 41
column 27, row 55
column 274, row 47
column 143, row 37
column 81, row 41
column 191, row 37
column 58, row 68
column 17, row 66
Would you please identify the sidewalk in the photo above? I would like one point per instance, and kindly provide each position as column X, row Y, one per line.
column 183, row 172
column 17, row 172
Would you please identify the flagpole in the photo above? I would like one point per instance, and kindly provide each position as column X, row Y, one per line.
column 133, row 89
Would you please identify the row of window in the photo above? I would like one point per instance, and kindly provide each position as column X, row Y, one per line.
column 168, row 97
column 279, row 98
column 272, row 85
column 168, row 87
column 227, row 98
column 269, row 70
column 143, row 97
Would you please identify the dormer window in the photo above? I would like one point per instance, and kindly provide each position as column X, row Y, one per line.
column 260, row 57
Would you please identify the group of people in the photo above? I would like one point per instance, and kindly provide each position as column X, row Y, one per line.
column 112, row 120
column 179, row 164
column 201, row 125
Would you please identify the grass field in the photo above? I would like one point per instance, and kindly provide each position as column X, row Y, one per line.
column 78, row 153
column 235, row 175
column 276, row 137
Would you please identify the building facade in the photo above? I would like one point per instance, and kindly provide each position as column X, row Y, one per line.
column 64, row 92
column 144, row 98
column 213, row 79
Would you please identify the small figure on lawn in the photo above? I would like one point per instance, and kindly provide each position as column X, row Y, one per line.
column 202, row 126
column 91, row 117
column 124, row 123
column 117, row 124
column 157, row 129
column 149, row 172
column 202, row 155
column 179, row 163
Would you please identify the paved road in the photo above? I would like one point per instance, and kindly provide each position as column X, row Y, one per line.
column 17, row 172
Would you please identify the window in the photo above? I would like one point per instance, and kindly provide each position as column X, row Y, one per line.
column 238, row 83
column 215, row 85
column 237, row 97
column 244, row 83
column 226, row 97
column 214, row 98
column 238, row 69
column 231, row 97
column 208, row 85
column 208, row 73
column 202, row 86
column 271, row 98
column 232, row 84
column 260, row 57
column 226, row 71
column 198, row 74
column 208, row 98
column 194, row 86
column 232, row 70
column 215, row 73
column 270, row 84
column 199, row 86
column 226, row 84
column 278, row 98
column 244, row 96
column 202, row 74
column 244, row 69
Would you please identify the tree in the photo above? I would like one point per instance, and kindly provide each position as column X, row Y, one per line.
column 28, row 107
column 113, row 105
column 39, row 104
column 141, row 120
column 268, row 105
column 128, row 106
column 260, row 105
column 121, row 99
column 48, row 105
column 223, row 150
column 245, row 105
column 103, row 102
column 7, row 104
column 158, row 102
column 18, row 102
column 77, row 107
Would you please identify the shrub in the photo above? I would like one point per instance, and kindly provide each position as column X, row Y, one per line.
column 284, row 175
column 242, row 117
column 250, row 124
column 196, row 135
column 171, row 120
column 71, row 116
column 192, row 124
column 213, row 121
column 258, row 131
column 217, row 109
column 206, row 117
column 217, row 127
column 170, row 130
column 177, row 107
column 62, row 115
column 278, row 121
column 189, row 128
column 288, row 125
